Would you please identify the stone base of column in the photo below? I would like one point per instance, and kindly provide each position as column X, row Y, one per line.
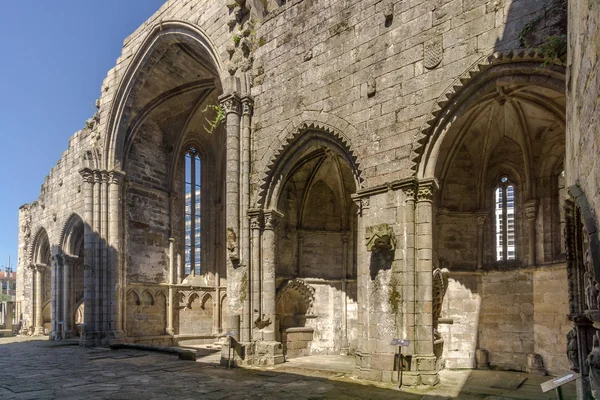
column 90, row 339
column 258, row 353
column 38, row 331
column 424, row 371
column 69, row 335
column 113, row 337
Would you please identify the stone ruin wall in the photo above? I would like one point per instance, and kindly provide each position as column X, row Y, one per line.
column 60, row 197
column 508, row 314
column 583, row 144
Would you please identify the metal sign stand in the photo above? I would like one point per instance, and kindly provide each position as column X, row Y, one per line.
column 557, row 382
column 400, row 343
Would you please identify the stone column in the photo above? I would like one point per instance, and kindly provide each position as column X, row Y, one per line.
column 424, row 360
column 231, row 106
column 115, row 299
column 247, row 107
column 89, row 257
column 39, row 319
column 67, row 299
column 481, row 217
column 408, row 319
column 55, row 296
column 106, row 291
column 170, row 305
column 269, row 254
column 530, row 213
column 255, row 273
column 96, row 193
column 345, row 243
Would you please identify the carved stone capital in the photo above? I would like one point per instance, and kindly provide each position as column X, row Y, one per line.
column 531, row 207
column 481, row 216
column 115, row 177
column 255, row 216
column 230, row 103
column 272, row 220
column 410, row 192
column 425, row 193
column 247, row 105
column 87, row 174
column 345, row 236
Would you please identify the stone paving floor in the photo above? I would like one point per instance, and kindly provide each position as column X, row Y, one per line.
column 40, row 369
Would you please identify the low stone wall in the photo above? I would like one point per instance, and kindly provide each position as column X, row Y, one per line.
column 297, row 342
column 510, row 314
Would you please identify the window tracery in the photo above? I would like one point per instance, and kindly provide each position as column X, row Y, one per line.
column 193, row 211
column 504, row 212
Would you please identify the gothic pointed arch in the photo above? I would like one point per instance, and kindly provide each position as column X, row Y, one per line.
column 297, row 139
column 131, row 104
column 39, row 251
column 71, row 235
column 520, row 68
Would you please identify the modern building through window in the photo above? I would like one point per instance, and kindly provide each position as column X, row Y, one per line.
column 505, row 220
column 193, row 195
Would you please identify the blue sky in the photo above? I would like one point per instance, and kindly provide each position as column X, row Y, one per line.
column 53, row 58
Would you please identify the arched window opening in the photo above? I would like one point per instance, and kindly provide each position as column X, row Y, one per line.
column 505, row 220
column 193, row 170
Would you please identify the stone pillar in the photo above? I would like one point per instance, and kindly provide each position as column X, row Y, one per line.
column 39, row 319
column 106, row 286
column 408, row 319
column 96, row 193
column 170, row 305
column 481, row 217
column 255, row 272
column 530, row 213
column 231, row 106
column 55, row 295
column 424, row 360
column 89, row 257
column 115, row 298
column 345, row 243
column 67, row 299
column 269, row 254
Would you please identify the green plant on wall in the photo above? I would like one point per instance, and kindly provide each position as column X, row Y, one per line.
column 217, row 120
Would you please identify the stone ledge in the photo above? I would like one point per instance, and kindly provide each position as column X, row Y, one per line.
column 184, row 354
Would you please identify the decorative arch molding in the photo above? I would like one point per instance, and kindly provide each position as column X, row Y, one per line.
column 172, row 31
column 512, row 67
column 40, row 235
column 323, row 128
column 135, row 294
column 205, row 298
column 66, row 233
column 300, row 286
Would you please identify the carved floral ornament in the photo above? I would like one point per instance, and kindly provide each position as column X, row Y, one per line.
column 230, row 103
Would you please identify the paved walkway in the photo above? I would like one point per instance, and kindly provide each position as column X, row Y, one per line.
column 40, row 369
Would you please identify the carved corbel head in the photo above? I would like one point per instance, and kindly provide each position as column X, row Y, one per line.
column 380, row 237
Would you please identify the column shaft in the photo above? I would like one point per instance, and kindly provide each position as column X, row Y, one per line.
column 89, row 257
column 39, row 320
column 268, row 276
column 67, row 300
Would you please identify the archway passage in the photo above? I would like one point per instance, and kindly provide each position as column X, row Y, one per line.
column 41, row 264
column 316, row 254
column 498, row 226
column 69, row 281
column 168, row 138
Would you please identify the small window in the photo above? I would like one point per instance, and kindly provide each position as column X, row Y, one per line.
column 193, row 172
column 504, row 197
